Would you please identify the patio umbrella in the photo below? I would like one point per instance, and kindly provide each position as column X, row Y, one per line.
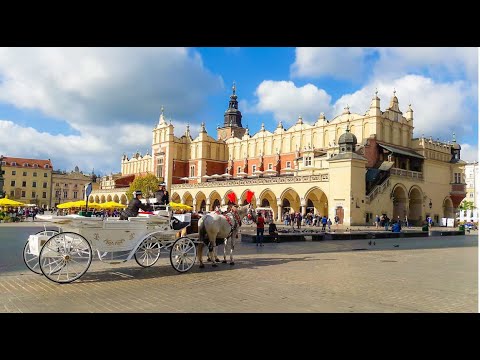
column 226, row 175
column 178, row 206
column 242, row 174
column 8, row 202
column 112, row 205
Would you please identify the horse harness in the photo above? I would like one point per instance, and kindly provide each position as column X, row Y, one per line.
column 233, row 220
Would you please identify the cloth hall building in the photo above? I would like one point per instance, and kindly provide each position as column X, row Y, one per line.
column 354, row 165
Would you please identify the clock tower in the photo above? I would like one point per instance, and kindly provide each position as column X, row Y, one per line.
column 232, row 123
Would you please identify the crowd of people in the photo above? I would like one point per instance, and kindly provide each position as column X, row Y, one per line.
column 296, row 219
column 17, row 214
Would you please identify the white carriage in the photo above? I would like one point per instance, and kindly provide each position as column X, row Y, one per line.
column 65, row 255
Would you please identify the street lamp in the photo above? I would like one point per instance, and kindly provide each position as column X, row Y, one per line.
column 430, row 204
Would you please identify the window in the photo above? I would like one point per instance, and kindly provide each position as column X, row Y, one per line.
column 23, row 193
column 254, row 168
column 46, row 166
column 34, row 194
column 44, row 195
column 12, row 193
column 26, row 165
column 289, row 164
column 12, row 183
column 75, row 186
column 44, row 185
column 75, row 194
column 45, row 175
column 35, row 165
column 239, row 169
column 160, row 167
column 65, row 185
column 4, row 163
column 458, row 178
column 34, row 184
column 471, row 195
column 192, row 170
column 65, row 194
column 270, row 166
column 35, row 174
column 57, row 194
column 24, row 173
column 308, row 161
column 14, row 172
column 24, row 183
column 57, row 184
column 14, row 163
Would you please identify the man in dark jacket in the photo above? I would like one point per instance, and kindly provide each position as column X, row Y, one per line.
column 133, row 207
column 162, row 195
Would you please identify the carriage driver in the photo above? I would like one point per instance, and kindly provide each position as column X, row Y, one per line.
column 133, row 206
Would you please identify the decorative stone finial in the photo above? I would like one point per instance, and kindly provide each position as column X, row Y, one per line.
column 234, row 88
column 263, row 127
column 202, row 127
column 454, row 138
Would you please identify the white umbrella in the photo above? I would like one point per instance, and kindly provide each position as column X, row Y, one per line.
column 206, row 176
column 270, row 171
column 288, row 170
column 184, row 179
column 241, row 174
column 215, row 176
column 226, row 175
column 258, row 172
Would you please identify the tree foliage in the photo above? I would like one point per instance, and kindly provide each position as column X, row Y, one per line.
column 148, row 184
column 466, row 205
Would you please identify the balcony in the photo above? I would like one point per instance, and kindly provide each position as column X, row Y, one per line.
column 407, row 173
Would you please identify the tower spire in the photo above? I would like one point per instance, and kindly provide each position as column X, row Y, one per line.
column 233, row 116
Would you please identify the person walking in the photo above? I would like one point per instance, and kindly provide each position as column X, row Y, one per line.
column 324, row 222
column 377, row 221
column 329, row 224
column 272, row 230
column 260, row 229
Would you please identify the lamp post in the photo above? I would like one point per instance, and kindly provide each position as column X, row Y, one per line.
column 430, row 204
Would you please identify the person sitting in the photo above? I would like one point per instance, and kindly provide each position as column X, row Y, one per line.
column 162, row 195
column 133, row 206
column 272, row 230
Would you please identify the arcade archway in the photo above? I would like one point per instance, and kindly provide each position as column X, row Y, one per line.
column 448, row 209
column 415, row 206
column 399, row 203
column 316, row 200
column 293, row 199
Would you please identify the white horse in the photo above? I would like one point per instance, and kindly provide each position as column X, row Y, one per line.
column 220, row 226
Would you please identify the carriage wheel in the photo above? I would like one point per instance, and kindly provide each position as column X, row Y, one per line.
column 247, row 221
column 31, row 260
column 65, row 257
column 183, row 254
column 148, row 252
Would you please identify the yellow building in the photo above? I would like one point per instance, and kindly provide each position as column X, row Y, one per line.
column 68, row 186
column 28, row 180
column 354, row 165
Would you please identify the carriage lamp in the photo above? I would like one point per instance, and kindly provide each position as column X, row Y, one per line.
column 430, row 204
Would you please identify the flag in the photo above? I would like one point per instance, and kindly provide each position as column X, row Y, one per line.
column 249, row 196
column 232, row 197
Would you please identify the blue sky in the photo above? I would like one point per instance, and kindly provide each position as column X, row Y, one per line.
column 87, row 106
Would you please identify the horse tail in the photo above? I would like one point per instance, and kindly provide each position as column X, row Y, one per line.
column 202, row 232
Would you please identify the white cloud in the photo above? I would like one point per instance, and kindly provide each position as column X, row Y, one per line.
column 469, row 152
column 287, row 101
column 111, row 96
column 436, row 61
column 353, row 63
column 439, row 108
column 340, row 63
column 100, row 85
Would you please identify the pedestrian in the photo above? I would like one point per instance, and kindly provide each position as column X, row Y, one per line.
column 324, row 222
column 260, row 228
column 299, row 220
column 329, row 223
column 336, row 219
column 272, row 230
column 377, row 221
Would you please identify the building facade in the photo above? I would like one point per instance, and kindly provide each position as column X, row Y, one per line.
column 471, row 179
column 354, row 165
column 68, row 186
column 28, row 180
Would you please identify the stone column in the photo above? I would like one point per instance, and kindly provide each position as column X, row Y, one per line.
column 303, row 205
column 279, row 212
column 195, row 204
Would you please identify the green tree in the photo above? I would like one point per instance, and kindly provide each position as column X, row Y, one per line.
column 148, row 184
column 466, row 205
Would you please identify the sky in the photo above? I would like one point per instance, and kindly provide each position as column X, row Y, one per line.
column 86, row 107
